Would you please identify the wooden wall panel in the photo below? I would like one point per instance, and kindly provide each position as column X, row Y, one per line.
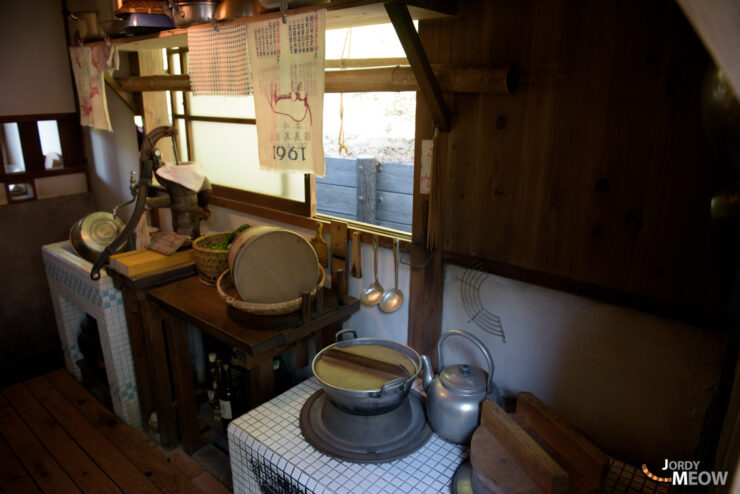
column 596, row 171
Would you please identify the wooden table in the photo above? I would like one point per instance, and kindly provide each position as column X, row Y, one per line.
column 147, row 341
column 258, row 339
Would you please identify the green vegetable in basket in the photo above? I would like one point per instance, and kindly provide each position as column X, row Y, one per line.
column 225, row 243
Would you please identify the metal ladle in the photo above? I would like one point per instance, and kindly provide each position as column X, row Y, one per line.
column 392, row 299
column 371, row 294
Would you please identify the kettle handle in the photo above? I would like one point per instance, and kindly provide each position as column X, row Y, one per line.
column 478, row 343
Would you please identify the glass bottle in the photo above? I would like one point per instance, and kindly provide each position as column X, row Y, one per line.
column 225, row 396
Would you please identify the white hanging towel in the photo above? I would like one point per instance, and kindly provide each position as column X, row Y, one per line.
column 288, row 76
column 89, row 64
column 218, row 61
column 189, row 174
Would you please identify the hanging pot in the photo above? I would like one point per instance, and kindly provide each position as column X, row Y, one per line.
column 186, row 13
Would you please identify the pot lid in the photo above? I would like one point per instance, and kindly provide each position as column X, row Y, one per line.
column 464, row 379
column 99, row 229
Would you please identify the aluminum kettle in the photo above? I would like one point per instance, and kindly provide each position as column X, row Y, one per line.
column 455, row 395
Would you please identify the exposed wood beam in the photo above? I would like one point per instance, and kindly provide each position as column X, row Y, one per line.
column 428, row 85
column 125, row 96
column 363, row 63
column 493, row 80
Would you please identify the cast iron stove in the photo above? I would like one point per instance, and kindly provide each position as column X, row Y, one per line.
column 365, row 438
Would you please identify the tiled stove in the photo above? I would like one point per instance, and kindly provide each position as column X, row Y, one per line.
column 266, row 448
column 74, row 294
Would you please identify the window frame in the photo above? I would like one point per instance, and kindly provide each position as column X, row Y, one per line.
column 70, row 137
column 302, row 214
column 224, row 195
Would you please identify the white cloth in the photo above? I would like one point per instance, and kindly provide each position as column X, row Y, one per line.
column 218, row 61
column 288, row 76
column 188, row 174
column 89, row 64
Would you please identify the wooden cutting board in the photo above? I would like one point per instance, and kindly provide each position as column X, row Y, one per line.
column 495, row 468
column 510, row 445
column 548, row 451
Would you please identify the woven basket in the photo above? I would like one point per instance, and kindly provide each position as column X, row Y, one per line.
column 210, row 263
column 227, row 290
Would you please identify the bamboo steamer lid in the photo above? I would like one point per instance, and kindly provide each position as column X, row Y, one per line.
column 272, row 265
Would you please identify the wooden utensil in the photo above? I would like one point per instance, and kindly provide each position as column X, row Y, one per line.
column 356, row 269
column 320, row 246
column 394, row 370
column 338, row 232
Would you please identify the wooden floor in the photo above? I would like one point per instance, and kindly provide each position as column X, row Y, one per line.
column 55, row 437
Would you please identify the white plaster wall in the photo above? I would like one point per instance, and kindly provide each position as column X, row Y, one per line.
column 33, row 53
column 61, row 185
column 638, row 384
column 113, row 156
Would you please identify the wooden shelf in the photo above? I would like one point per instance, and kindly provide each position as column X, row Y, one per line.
column 340, row 14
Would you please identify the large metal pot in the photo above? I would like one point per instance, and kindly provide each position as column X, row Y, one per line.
column 185, row 13
column 369, row 401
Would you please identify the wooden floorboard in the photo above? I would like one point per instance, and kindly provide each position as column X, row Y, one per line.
column 132, row 443
column 29, row 451
column 56, row 437
column 14, row 478
column 78, row 465
column 120, row 470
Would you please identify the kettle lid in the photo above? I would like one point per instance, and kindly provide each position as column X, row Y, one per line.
column 464, row 379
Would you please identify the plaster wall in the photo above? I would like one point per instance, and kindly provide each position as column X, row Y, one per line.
column 37, row 77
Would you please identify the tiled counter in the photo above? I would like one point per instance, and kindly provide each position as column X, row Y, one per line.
column 74, row 294
column 267, row 449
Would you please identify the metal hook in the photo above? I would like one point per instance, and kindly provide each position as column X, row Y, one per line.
column 213, row 23
column 283, row 10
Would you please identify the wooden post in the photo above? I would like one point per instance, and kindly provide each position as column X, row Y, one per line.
column 367, row 181
column 156, row 112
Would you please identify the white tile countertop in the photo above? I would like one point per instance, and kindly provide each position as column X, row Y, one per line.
column 269, row 454
column 73, row 295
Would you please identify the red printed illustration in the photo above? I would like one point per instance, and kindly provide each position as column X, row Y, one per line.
column 293, row 104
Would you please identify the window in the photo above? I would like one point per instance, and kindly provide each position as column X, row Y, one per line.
column 369, row 174
column 34, row 151
column 12, row 152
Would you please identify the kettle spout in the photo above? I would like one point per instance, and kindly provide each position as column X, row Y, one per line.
column 427, row 375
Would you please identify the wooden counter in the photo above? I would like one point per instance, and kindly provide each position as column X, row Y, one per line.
column 258, row 339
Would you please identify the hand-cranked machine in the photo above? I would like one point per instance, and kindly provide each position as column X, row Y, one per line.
column 188, row 206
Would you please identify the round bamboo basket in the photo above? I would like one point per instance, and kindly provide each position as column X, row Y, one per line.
column 210, row 263
column 227, row 291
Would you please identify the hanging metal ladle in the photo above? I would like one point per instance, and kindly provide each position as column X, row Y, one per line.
column 392, row 299
column 371, row 294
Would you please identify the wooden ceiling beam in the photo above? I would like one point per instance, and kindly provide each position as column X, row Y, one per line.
column 491, row 80
column 428, row 84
